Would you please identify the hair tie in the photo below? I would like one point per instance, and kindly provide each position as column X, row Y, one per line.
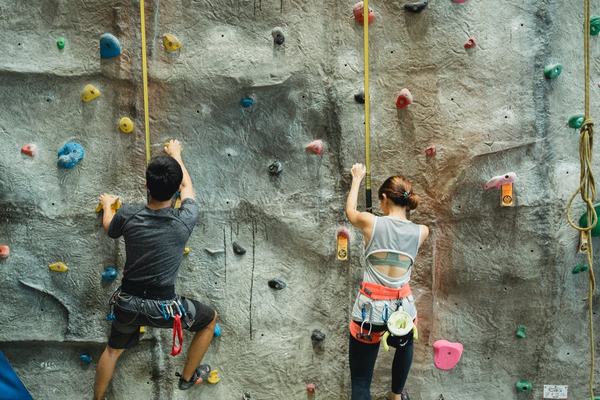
column 406, row 194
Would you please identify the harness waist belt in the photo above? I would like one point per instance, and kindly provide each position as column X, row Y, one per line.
column 379, row 292
column 364, row 335
column 148, row 292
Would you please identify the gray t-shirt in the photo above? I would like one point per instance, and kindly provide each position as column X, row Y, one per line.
column 154, row 240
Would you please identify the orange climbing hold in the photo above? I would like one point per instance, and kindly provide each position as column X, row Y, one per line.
column 404, row 98
column 29, row 149
column 359, row 11
column 315, row 147
column 4, row 252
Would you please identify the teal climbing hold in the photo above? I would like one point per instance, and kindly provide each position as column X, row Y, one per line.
column 576, row 120
column 580, row 268
column 60, row 43
column 521, row 331
column 217, row 332
column 583, row 221
column 247, row 103
column 594, row 25
column 552, row 71
column 523, row 386
column 109, row 46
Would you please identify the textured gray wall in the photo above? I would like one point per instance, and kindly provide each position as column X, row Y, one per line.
column 484, row 270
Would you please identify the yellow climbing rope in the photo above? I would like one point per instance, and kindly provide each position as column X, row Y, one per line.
column 369, row 205
column 145, row 78
column 587, row 186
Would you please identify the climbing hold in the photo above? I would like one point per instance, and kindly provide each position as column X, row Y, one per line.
column 213, row 377
column 317, row 335
column 404, row 98
column 584, row 222
column 4, row 251
column 115, row 206
column 247, row 396
column 552, row 71
column 359, row 11
column 60, row 43
column 360, row 97
column 109, row 46
column 447, row 354
column 171, row 42
column 594, row 25
column 430, row 151
column 275, row 168
column 110, row 317
column 89, row 93
column 416, row 6
column 470, row 43
column 310, row 388
column 29, row 149
column 315, row 146
column 239, row 250
column 576, row 120
column 521, row 331
column 186, row 250
column 247, row 103
column 276, row 284
column 85, row 358
column 343, row 232
column 278, row 36
column 142, row 329
column 580, row 268
column 126, row 125
column 109, row 274
column 70, row 155
column 217, row 331
column 523, row 386
column 167, row 145
column 60, row 267
column 500, row 180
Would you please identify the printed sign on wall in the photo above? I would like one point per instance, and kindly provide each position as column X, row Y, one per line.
column 555, row 391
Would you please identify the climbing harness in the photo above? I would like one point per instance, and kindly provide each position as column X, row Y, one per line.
column 368, row 202
column 111, row 304
column 145, row 79
column 587, row 186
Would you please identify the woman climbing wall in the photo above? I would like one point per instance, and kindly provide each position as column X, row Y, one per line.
column 392, row 243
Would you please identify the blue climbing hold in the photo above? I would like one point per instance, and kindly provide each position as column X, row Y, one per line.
column 247, row 103
column 70, row 155
column 85, row 358
column 217, row 330
column 110, row 317
column 109, row 46
column 109, row 274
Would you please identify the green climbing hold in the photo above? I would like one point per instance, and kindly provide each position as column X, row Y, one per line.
column 580, row 268
column 594, row 25
column 524, row 386
column 576, row 120
column 583, row 221
column 552, row 71
column 521, row 331
column 60, row 43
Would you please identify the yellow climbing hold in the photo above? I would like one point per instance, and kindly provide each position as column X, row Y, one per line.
column 126, row 125
column 142, row 329
column 213, row 377
column 115, row 206
column 171, row 42
column 60, row 267
column 89, row 93
column 167, row 145
column 187, row 250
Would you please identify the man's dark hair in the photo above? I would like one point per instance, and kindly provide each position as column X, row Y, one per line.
column 163, row 177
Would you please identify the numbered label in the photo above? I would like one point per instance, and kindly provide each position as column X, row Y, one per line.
column 555, row 391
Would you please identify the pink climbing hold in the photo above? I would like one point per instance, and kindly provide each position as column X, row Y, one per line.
column 310, row 388
column 430, row 151
column 4, row 252
column 343, row 232
column 404, row 98
column 500, row 180
column 470, row 43
column 447, row 354
column 315, row 147
column 359, row 13
column 29, row 149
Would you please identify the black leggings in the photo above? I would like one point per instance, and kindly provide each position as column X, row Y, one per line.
column 362, row 363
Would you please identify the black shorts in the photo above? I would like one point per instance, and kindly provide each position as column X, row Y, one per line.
column 132, row 312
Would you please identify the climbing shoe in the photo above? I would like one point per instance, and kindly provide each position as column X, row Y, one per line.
column 404, row 395
column 200, row 375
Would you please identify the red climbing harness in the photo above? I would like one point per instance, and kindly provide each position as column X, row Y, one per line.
column 177, row 333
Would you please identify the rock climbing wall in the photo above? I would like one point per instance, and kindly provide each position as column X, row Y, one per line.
column 238, row 102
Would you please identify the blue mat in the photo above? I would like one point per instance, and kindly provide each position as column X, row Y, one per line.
column 11, row 387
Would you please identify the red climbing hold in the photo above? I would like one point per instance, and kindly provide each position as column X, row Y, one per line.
column 4, row 252
column 343, row 232
column 316, row 146
column 359, row 11
column 470, row 43
column 310, row 388
column 447, row 354
column 404, row 98
column 430, row 151
column 29, row 149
